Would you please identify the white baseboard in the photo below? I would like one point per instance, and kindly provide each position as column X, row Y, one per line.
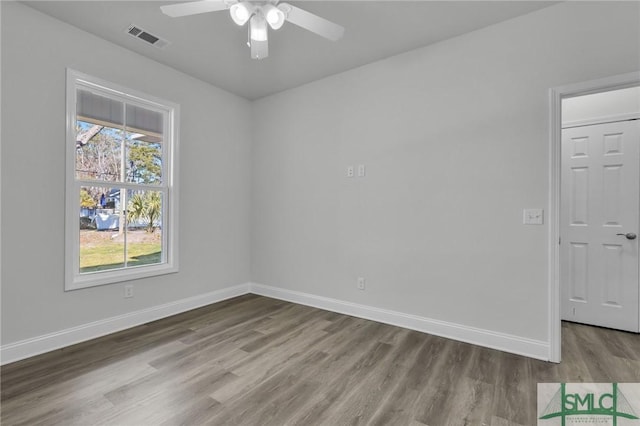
column 490, row 339
column 504, row 342
column 49, row 342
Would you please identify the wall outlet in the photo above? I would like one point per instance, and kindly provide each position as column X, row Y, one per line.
column 361, row 283
column 128, row 291
column 350, row 171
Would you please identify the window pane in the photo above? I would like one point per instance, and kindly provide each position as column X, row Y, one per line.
column 144, row 145
column 144, row 227
column 101, row 239
column 144, row 160
column 98, row 152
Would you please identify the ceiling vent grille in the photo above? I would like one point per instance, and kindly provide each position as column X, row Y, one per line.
column 139, row 33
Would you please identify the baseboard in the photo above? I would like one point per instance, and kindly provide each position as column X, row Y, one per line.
column 487, row 338
column 30, row 347
column 504, row 342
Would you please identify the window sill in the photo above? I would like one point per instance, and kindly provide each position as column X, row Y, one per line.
column 94, row 279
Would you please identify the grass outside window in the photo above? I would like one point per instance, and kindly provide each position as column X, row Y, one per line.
column 103, row 250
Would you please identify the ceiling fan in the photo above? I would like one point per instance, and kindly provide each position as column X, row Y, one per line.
column 259, row 14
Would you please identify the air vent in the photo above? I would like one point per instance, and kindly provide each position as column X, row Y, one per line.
column 137, row 32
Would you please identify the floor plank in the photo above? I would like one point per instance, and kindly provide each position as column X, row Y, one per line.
column 252, row 360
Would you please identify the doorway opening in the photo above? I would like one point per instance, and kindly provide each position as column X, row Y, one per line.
column 580, row 113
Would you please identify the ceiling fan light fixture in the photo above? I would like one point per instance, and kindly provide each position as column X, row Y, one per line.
column 258, row 28
column 240, row 13
column 260, row 14
column 274, row 16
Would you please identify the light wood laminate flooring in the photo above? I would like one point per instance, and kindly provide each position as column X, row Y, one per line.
column 252, row 360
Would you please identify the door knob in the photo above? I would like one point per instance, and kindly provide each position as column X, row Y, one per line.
column 629, row 236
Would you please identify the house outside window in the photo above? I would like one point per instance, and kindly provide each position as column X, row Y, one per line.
column 121, row 191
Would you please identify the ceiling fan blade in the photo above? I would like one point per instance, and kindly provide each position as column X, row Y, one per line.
column 195, row 7
column 259, row 49
column 311, row 22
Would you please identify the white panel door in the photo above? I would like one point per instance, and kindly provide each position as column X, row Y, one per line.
column 600, row 191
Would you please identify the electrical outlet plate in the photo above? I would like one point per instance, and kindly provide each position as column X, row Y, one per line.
column 361, row 283
column 128, row 291
column 350, row 171
column 533, row 216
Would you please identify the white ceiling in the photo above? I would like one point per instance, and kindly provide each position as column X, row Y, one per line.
column 212, row 48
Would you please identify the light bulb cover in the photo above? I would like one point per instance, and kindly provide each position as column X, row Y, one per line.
column 274, row 16
column 258, row 27
column 241, row 12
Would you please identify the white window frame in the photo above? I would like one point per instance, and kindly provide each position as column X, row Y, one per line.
column 73, row 278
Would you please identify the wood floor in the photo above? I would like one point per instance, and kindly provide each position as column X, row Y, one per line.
column 259, row 361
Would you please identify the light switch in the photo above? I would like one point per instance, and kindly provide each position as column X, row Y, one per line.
column 533, row 216
column 361, row 170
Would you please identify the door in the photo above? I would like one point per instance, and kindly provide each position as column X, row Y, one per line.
column 599, row 220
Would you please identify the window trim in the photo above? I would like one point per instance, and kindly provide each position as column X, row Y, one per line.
column 73, row 278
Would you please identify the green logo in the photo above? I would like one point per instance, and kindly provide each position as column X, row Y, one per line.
column 564, row 404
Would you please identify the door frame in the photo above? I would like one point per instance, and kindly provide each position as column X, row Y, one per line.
column 556, row 95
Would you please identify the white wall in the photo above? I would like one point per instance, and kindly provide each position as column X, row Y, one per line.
column 455, row 140
column 214, row 178
column 600, row 106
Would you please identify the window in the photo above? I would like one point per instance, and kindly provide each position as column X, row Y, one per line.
column 121, row 216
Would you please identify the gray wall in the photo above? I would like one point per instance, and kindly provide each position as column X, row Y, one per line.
column 214, row 180
column 455, row 140
column 454, row 137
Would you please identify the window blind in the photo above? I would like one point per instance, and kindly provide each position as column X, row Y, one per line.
column 96, row 109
